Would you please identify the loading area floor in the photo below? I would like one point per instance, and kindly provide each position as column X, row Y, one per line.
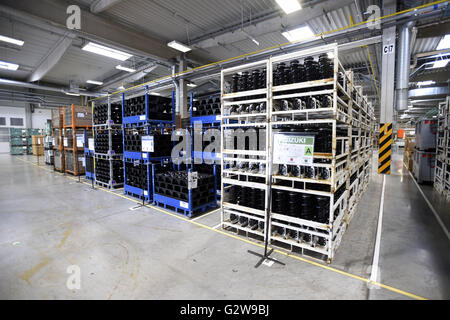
column 50, row 222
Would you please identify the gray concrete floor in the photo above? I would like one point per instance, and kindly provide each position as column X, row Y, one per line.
column 49, row 222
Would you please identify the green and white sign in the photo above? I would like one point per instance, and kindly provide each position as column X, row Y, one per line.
column 293, row 149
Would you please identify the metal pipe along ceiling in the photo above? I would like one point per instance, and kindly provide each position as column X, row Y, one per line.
column 403, row 64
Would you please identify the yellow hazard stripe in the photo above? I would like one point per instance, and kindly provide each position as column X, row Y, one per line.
column 382, row 128
column 388, row 144
column 387, row 154
column 388, row 135
column 387, row 165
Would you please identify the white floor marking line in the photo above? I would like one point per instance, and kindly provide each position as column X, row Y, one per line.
column 205, row 215
column 217, row 226
column 431, row 207
column 376, row 253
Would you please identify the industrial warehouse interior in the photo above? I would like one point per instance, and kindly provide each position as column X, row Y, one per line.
column 210, row 150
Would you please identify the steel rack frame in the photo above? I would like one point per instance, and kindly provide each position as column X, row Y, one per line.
column 74, row 126
column 232, row 177
column 341, row 160
column 143, row 158
column 57, row 132
column 186, row 208
column 442, row 166
column 88, row 153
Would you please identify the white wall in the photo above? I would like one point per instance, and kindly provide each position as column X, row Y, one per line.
column 38, row 119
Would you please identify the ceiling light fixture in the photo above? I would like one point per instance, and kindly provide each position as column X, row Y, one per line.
column 425, row 83
column 440, row 64
column 119, row 67
column 11, row 40
column 8, row 66
column 191, row 85
column 179, row 46
column 72, row 94
column 444, row 43
column 99, row 83
column 298, row 34
column 289, row 6
column 107, row 52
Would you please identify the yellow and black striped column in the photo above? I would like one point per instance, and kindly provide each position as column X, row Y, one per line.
column 384, row 150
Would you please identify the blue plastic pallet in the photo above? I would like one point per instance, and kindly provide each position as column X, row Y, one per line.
column 180, row 206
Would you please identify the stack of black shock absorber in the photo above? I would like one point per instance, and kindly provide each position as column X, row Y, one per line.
column 246, row 81
column 102, row 142
column 174, row 184
column 136, row 175
column 162, row 142
column 159, row 108
column 206, row 107
column 102, row 173
column 101, row 113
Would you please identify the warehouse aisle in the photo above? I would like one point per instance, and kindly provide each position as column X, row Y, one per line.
column 50, row 222
column 414, row 250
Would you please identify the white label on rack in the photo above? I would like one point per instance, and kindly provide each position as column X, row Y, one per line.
column 142, row 117
column 145, row 193
column 198, row 124
column 144, row 156
column 184, row 204
column 91, row 144
column 83, row 161
column 218, row 118
column 192, row 180
column 293, row 149
column 39, row 141
column 80, row 115
column 66, row 142
column 148, row 144
column 80, row 140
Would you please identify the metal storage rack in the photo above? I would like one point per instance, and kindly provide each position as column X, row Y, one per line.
column 442, row 167
column 339, row 161
column 89, row 155
column 199, row 125
column 233, row 178
column 144, row 123
column 76, row 119
column 110, row 127
column 57, row 132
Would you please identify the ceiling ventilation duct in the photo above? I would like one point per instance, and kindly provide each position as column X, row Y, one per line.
column 403, row 66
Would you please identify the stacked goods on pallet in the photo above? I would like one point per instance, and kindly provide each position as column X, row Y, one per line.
column 89, row 148
column 206, row 106
column 442, row 169
column 38, row 145
column 173, row 191
column 159, row 108
column 76, row 120
column 48, row 150
column 105, row 169
column 409, row 152
column 147, row 128
column 17, row 141
column 424, row 158
column 57, row 133
column 108, row 144
column 301, row 186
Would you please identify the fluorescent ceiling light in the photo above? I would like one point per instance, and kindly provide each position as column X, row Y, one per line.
column 107, row 52
column 72, row 94
column 298, row 34
column 11, row 40
column 425, row 83
column 192, row 85
column 444, row 43
column 119, row 67
column 8, row 66
column 179, row 46
column 121, row 88
column 155, row 94
column 440, row 64
column 94, row 82
column 289, row 6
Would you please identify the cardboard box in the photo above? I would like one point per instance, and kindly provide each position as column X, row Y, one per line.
column 38, row 150
column 410, row 142
column 408, row 159
column 37, row 141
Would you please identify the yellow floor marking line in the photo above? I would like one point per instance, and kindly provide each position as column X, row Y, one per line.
column 287, row 254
